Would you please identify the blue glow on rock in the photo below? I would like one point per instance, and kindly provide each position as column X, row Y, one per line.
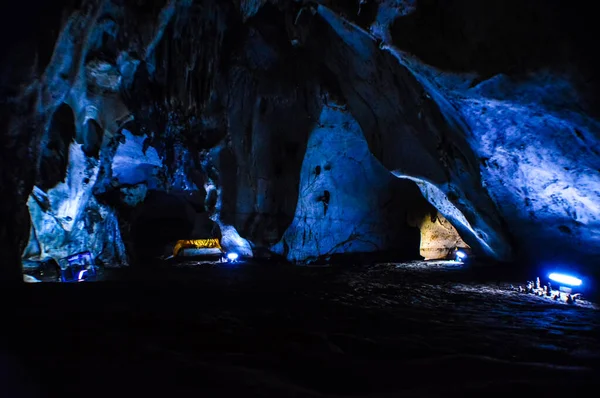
column 534, row 143
column 345, row 194
column 232, row 242
column 565, row 279
column 134, row 165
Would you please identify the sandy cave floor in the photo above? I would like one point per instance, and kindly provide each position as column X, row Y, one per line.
column 411, row 329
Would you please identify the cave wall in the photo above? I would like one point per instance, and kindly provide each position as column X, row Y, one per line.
column 34, row 85
column 541, row 167
column 348, row 202
column 269, row 122
column 523, row 89
column 67, row 219
column 71, row 216
column 407, row 131
column 226, row 102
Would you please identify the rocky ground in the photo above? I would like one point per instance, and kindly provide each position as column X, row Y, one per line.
column 413, row 329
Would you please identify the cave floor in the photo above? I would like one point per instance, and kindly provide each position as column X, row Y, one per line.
column 412, row 329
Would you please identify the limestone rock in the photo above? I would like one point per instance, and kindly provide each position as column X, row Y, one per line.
column 348, row 202
column 313, row 128
column 530, row 124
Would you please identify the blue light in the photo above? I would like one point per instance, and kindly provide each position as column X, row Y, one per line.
column 461, row 255
column 565, row 279
column 81, row 274
column 232, row 256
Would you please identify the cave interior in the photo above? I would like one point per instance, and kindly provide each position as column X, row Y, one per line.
column 391, row 174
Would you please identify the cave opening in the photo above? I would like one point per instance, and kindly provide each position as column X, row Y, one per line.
column 162, row 219
column 54, row 159
column 444, row 228
column 440, row 239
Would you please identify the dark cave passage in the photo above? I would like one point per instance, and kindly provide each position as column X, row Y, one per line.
column 162, row 219
column 92, row 138
column 55, row 148
column 492, row 37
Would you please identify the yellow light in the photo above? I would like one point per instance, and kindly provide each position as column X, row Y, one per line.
column 196, row 244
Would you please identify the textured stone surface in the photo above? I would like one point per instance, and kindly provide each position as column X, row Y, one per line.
column 530, row 124
column 67, row 219
column 439, row 238
column 216, row 103
column 348, row 202
column 408, row 133
column 133, row 164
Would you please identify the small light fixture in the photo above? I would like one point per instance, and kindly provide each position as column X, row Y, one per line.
column 460, row 255
column 232, row 257
column 81, row 275
column 565, row 279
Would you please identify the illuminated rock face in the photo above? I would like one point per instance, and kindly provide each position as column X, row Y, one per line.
column 407, row 131
column 542, row 168
column 528, row 115
column 348, row 202
column 235, row 118
column 439, row 238
column 520, row 161
column 134, row 163
column 68, row 218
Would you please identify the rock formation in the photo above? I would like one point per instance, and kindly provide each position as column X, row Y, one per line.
column 348, row 201
column 306, row 129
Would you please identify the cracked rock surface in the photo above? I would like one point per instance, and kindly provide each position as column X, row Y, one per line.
column 225, row 104
column 348, row 202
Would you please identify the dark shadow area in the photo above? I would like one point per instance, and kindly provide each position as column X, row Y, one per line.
column 498, row 36
column 161, row 220
column 93, row 134
column 28, row 32
column 362, row 13
column 55, row 149
column 505, row 36
column 273, row 106
column 295, row 331
column 366, row 258
column 290, row 65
